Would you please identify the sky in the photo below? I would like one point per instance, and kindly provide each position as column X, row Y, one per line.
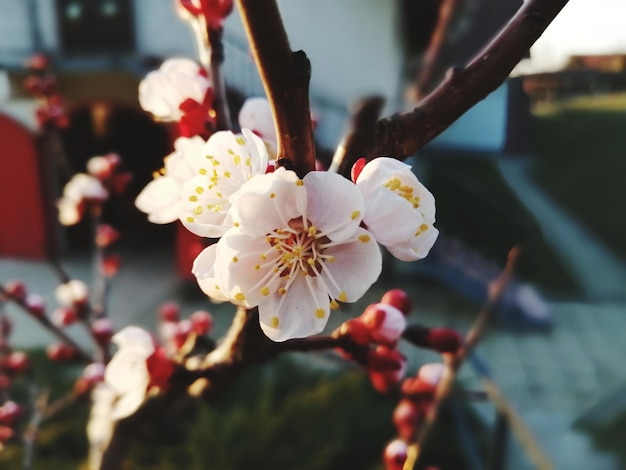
column 582, row 27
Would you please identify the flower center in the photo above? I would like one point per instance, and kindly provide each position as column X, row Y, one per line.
column 300, row 246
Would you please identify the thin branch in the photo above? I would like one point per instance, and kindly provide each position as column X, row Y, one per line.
column 403, row 134
column 285, row 75
column 220, row 102
column 454, row 361
column 433, row 51
column 48, row 325
column 360, row 135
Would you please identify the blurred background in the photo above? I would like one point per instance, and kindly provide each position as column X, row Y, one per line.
column 538, row 163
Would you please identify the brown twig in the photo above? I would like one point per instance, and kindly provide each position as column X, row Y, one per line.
column 359, row 136
column 454, row 361
column 427, row 69
column 402, row 134
column 48, row 325
column 220, row 102
column 285, row 75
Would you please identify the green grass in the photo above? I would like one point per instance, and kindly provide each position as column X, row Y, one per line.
column 582, row 150
column 282, row 415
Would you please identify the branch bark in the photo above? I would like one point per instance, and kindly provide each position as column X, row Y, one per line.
column 285, row 75
column 402, row 135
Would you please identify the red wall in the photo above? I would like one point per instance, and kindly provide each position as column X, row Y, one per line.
column 23, row 230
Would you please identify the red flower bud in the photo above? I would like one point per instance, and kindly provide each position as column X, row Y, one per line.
column 102, row 330
column 160, row 368
column 201, row 322
column 399, row 299
column 445, row 340
column 356, row 330
column 169, row 312
column 17, row 362
column 6, row 433
column 9, row 412
column 385, row 323
column 395, row 455
column 106, row 235
column 357, row 168
column 64, row 316
column 16, row 289
column 35, row 304
column 405, row 417
column 61, row 352
column 110, row 265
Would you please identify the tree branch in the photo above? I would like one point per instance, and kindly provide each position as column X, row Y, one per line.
column 359, row 137
column 402, row 134
column 285, row 75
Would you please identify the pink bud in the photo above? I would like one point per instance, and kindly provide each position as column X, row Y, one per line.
column 399, row 299
column 405, row 417
column 201, row 322
column 169, row 312
column 385, row 323
column 94, row 372
column 61, row 352
column 395, row 455
column 102, row 330
column 64, row 316
column 15, row 289
column 6, row 433
column 426, row 381
column 106, row 235
column 35, row 304
column 17, row 362
column 110, row 265
column 9, row 411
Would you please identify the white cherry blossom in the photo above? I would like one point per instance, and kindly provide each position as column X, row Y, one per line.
column 127, row 372
column 399, row 210
column 228, row 161
column 162, row 91
column 162, row 198
column 256, row 115
column 83, row 186
column 295, row 248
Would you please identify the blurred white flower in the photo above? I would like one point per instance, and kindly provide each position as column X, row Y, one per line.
column 127, row 372
column 228, row 161
column 399, row 210
column 162, row 91
column 72, row 293
column 84, row 187
column 293, row 251
column 256, row 115
column 162, row 198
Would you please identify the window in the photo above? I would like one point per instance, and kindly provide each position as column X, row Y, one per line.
column 88, row 26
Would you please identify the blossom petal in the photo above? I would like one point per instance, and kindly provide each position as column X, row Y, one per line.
column 390, row 218
column 160, row 199
column 303, row 311
column 419, row 247
column 269, row 201
column 334, row 204
column 204, row 270
column 244, row 266
column 356, row 266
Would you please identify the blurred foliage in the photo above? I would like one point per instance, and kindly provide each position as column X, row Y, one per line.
column 582, row 162
column 301, row 412
column 476, row 206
